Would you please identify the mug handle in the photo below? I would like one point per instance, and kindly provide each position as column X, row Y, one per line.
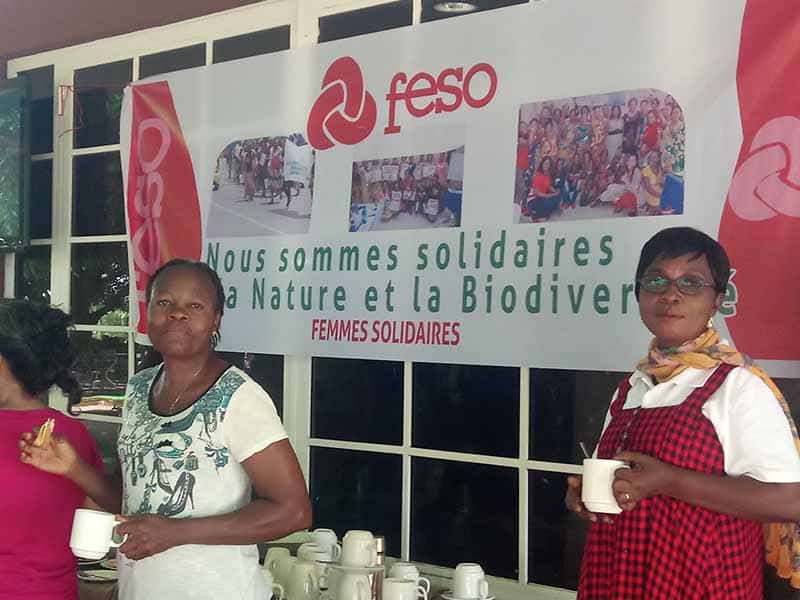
column 425, row 583
column 279, row 587
column 336, row 551
column 422, row 592
column 483, row 589
column 373, row 551
column 114, row 544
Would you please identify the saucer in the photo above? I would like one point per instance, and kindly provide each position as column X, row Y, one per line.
column 448, row 595
column 96, row 575
column 356, row 570
column 109, row 563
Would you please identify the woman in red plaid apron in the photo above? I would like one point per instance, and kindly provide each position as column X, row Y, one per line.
column 711, row 444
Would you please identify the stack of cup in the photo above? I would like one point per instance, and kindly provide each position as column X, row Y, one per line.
column 396, row 588
column 304, row 583
column 358, row 576
column 326, row 539
column 469, row 583
column 407, row 570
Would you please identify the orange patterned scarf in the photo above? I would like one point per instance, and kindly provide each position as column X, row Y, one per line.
column 782, row 540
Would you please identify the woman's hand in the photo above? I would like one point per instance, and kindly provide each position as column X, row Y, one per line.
column 647, row 477
column 147, row 535
column 574, row 503
column 57, row 456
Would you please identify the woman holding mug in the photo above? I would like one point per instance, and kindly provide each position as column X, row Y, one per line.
column 711, row 445
column 36, row 508
column 197, row 435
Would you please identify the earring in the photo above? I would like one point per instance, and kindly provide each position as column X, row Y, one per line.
column 710, row 324
column 214, row 339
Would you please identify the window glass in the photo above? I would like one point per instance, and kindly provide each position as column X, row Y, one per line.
column 32, row 278
column 251, row 44
column 41, row 109
column 100, row 283
column 41, row 199
column 98, row 207
column 172, row 60
column 365, row 20
column 98, row 102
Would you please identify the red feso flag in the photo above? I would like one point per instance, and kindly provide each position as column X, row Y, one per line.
column 760, row 226
column 162, row 203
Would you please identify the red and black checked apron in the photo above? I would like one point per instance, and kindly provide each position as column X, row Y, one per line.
column 666, row 548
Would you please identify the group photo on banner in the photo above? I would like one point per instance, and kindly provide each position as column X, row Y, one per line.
column 595, row 157
column 263, row 186
column 407, row 192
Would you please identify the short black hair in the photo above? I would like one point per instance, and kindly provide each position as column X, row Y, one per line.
column 35, row 342
column 194, row 265
column 679, row 241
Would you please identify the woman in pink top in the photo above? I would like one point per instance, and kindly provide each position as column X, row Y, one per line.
column 36, row 511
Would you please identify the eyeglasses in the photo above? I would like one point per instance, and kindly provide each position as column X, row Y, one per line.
column 688, row 285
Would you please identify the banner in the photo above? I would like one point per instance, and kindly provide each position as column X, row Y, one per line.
column 426, row 194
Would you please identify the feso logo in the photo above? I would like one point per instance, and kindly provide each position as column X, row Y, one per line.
column 345, row 112
column 422, row 94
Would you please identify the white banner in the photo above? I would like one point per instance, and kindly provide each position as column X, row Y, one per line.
column 416, row 195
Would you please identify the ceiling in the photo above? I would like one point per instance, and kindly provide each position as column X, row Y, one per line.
column 30, row 26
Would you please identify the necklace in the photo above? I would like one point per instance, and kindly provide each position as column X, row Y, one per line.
column 186, row 387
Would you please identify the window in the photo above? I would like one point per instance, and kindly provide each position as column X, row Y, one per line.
column 367, row 20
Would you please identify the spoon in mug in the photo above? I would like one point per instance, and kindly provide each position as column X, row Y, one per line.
column 583, row 448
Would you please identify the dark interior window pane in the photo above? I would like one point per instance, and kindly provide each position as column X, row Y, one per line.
column 105, row 434
column 41, row 109
column 357, row 400
column 556, row 535
column 568, row 407
column 98, row 204
column 265, row 369
column 429, row 13
column 465, row 408
column 41, row 199
column 462, row 512
column 33, row 274
column 102, row 362
column 365, row 20
column 791, row 391
column 98, row 100
column 172, row 60
column 100, row 283
column 357, row 490
column 145, row 357
column 251, row 44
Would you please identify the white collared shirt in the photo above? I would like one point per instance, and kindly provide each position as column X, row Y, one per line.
column 750, row 423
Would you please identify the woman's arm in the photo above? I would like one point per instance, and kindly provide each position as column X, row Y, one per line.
column 60, row 458
column 282, row 506
column 741, row 496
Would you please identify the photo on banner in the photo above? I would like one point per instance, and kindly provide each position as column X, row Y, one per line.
column 263, row 186
column 422, row 191
column 600, row 156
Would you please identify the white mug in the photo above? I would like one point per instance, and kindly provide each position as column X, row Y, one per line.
column 359, row 549
column 271, row 584
column 320, row 557
column 313, row 551
column 469, row 581
column 407, row 570
column 326, row 538
column 597, row 493
column 283, row 569
column 303, row 581
column 93, row 533
column 396, row 588
column 352, row 586
column 272, row 557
